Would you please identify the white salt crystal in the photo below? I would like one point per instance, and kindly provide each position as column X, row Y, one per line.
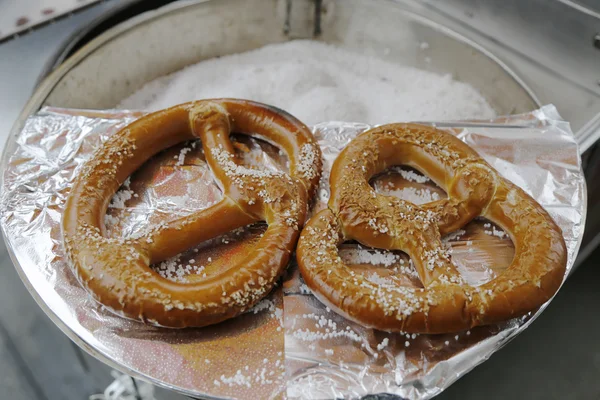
column 414, row 195
column 317, row 82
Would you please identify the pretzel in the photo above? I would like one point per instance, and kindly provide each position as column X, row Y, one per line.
column 445, row 303
column 117, row 271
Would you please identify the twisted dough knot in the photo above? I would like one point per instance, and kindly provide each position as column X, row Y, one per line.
column 444, row 303
column 117, row 271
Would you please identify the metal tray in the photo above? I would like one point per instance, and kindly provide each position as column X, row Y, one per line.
column 123, row 58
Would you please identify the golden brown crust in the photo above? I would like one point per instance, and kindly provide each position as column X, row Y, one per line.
column 117, row 272
column 445, row 303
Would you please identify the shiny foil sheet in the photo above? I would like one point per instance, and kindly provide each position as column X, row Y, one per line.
column 290, row 345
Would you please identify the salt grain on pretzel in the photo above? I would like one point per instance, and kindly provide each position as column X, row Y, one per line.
column 444, row 303
column 117, row 271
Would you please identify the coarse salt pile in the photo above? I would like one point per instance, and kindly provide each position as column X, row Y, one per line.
column 317, row 82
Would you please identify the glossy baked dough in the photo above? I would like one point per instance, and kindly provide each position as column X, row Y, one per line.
column 445, row 303
column 117, row 271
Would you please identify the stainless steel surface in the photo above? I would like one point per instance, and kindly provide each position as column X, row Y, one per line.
column 550, row 44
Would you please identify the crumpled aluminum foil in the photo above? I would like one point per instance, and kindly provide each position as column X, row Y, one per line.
column 289, row 345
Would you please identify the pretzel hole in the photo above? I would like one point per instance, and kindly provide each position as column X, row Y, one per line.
column 178, row 182
column 481, row 251
column 383, row 267
column 212, row 257
column 260, row 154
column 174, row 183
column 407, row 184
